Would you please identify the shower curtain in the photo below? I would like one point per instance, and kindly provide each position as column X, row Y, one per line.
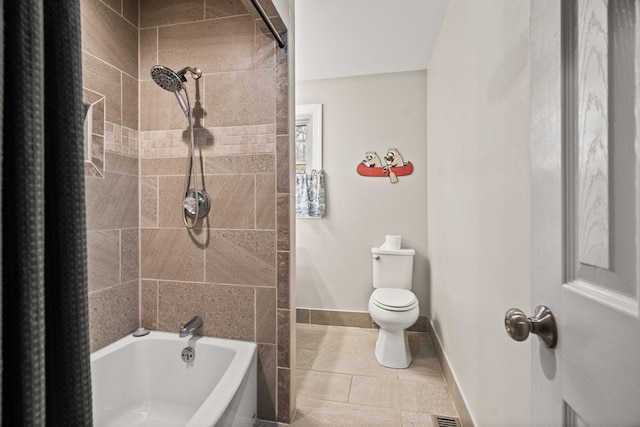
column 310, row 194
column 46, row 377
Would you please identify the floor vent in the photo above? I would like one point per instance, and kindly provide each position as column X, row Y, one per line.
column 440, row 421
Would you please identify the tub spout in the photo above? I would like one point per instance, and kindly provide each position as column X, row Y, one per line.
column 190, row 327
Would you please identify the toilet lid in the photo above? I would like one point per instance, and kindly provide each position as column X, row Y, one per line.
column 394, row 299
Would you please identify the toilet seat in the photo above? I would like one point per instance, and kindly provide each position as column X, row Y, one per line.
column 392, row 299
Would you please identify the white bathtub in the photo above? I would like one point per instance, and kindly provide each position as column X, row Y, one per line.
column 144, row 382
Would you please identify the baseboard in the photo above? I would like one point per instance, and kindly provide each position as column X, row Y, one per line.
column 452, row 384
column 355, row 319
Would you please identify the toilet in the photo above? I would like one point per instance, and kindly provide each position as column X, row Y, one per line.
column 392, row 305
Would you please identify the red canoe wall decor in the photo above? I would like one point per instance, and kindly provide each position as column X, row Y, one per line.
column 395, row 165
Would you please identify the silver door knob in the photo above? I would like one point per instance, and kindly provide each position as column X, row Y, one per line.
column 542, row 323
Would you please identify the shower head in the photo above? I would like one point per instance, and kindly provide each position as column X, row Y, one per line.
column 169, row 80
column 166, row 78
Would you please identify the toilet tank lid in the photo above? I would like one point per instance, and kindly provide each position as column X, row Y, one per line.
column 380, row 251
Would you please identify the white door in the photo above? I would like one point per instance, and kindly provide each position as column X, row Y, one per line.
column 585, row 147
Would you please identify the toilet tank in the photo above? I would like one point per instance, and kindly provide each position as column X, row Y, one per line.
column 392, row 268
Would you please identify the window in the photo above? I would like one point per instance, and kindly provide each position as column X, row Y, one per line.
column 308, row 137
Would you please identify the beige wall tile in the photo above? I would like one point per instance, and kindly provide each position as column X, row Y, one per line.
column 170, row 254
column 265, row 201
column 111, row 202
column 267, row 381
column 103, row 259
column 240, row 98
column 105, row 80
column 282, row 105
column 284, row 388
column 241, row 257
column 233, row 201
column 130, row 11
column 282, row 163
column 282, row 62
column 130, row 101
column 224, row 8
column 163, row 166
column 113, row 313
column 250, row 163
column 284, row 338
column 129, row 255
column 215, row 46
column 269, row 9
column 108, row 36
column 149, row 304
column 323, row 385
column 148, row 201
column 159, row 109
column 265, row 54
column 284, row 239
column 266, row 330
column 165, row 12
column 283, row 282
column 124, row 165
column 170, row 198
column 148, row 52
column 226, row 311
column 114, row 4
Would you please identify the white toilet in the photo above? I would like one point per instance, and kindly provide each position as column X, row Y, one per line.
column 392, row 304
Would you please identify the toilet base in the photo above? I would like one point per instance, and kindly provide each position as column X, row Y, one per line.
column 392, row 349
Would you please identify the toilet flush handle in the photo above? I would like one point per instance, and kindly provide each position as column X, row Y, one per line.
column 375, row 256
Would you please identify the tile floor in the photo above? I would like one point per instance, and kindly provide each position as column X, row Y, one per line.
column 340, row 383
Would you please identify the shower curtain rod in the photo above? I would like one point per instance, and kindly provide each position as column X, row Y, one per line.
column 268, row 22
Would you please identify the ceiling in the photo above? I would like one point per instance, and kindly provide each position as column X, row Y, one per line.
column 341, row 38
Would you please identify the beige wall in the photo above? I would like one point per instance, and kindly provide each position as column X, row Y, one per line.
column 361, row 114
column 479, row 202
column 110, row 70
column 145, row 268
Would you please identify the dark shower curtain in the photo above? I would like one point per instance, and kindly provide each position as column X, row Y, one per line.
column 46, row 377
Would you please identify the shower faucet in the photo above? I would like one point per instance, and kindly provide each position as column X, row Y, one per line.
column 191, row 326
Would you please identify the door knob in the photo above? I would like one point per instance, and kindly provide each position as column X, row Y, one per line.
column 542, row 323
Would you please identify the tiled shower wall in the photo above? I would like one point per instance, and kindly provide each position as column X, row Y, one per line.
column 110, row 69
column 145, row 268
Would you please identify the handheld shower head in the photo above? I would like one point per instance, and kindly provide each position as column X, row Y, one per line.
column 169, row 80
column 183, row 104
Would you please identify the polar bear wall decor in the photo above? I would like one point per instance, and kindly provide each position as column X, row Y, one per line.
column 393, row 167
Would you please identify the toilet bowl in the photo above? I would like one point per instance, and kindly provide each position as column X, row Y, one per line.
column 394, row 310
column 392, row 305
